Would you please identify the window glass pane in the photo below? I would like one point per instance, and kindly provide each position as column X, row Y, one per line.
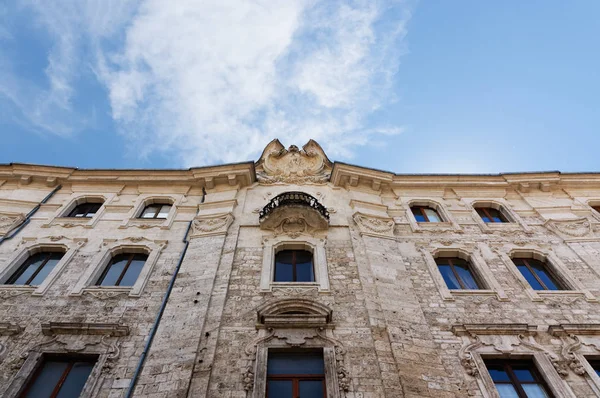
column 132, row 273
column 296, row 363
column 543, row 274
column 46, row 379
column 498, row 374
column 530, row 278
column 46, row 269
column 149, row 211
column 28, row 268
column 534, row 391
column 449, row 277
column 432, row 215
column 114, row 271
column 466, row 276
column 311, row 388
column 482, row 214
column 284, row 272
column 75, row 380
column 304, row 272
column 279, row 389
column 506, row 391
column 418, row 215
column 164, row 211
column 523, row 374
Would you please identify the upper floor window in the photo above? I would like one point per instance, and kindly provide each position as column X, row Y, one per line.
column 60, row 377
column 595, row 364
column 457, row 273
column 295, row 374
column 491, row 215
column 294, row 266
column 123, row 270
column 156, row 211
column 35, row 269
column 425, row 214
column 517, row 379
column 537, row 274
column 85, row 210
column 597, row 208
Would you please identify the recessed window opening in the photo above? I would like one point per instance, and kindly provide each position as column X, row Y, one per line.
column 457, row 273
column 425, row 214
column 59, row 377
column 596, row 207
column 295, row 374
column 36, row 268
column 491, row 215
column 595, row 364
column 123, row 270
column 517, row 379
column 156, row 211
column 294, row 266
column 85, row 210
column 537, row 274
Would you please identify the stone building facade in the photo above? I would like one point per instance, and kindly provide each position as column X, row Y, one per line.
column 204, row 315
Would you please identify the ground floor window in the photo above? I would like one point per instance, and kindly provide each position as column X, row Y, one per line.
column 60, row 377
column 295, row 374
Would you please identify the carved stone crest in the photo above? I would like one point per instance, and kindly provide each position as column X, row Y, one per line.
column 575, row 228
column 293, row 165
column 374, row 225
column 211, row 225
column 9, row 222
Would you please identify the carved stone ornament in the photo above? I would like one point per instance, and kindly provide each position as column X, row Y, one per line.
column 8, row 222
column 374, row 225
column 14, row 292
column 96, row 344
column 294, row 221
column 293, row 165
column 574, row 228
column 207, row 225
column 104, row 294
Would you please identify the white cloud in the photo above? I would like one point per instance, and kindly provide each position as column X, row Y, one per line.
column 215, row 80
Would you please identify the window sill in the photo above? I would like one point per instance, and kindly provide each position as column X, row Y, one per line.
column 476, row 292
column 302, row 286
column 437, row 227
column 8, row 291
column 565, row 296
column 106, row 292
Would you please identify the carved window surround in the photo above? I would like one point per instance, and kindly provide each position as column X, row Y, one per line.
column 98, row 340
column 10, row 221
column 101, row 260
column 515, row 223
column 578, row 343
column 32, row 246
column 514, row 341
column 478, row 267
column 575, row 288
column 308, row 328
column 144, row 200
column 60, row 215
column 449, row 224
column 275, row 244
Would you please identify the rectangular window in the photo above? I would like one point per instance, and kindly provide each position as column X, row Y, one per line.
column 457, row 273
column 295, row 374
column 60, row 377
column 123, row 270
column 35, row 269
column 294, row 266
column 517, row 379
column 537, row 274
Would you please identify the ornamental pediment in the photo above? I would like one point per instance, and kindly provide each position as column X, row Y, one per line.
column 293, row 165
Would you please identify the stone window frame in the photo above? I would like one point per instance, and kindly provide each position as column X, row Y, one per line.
column 448, row 221
column 507, row 341
column 33, row 246
column 315, row 245
column 132, row 219
column 558, row 269
column 86, row 283
column 60, row 216
column 515, row 221
column 594, row 203
column 478, row 266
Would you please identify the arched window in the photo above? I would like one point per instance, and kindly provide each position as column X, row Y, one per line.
column 425, row 214
column 158, row 211
column 294, row 266
column 123, row 270
column 537, row 273
column 36, row 268
column 491, row 215
column 85, row 209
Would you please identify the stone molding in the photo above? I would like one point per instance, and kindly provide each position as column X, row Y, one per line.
column 308, row 165
column 10, row 221
column 374, row 225
column 83, row 328
column 210, row 225
column 294, row 221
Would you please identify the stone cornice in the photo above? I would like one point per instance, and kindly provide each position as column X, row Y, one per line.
column 565, row 329
column 494, row 329
column 77, row 328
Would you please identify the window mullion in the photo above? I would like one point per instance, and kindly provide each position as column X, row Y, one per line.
column 535, row 275
column 515, row 382
column 37, row 271
column 157, row 211
column 489, row 216
column 124, row 269
column 424, row 213
column 61, row 381
column 458, row 278
column 294, row 273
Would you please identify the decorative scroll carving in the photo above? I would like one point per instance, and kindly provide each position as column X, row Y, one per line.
column 9, row 329
column 340, row 352
column 374, row 225
column 293, row 165
column 9, row 222
column 12, row 292
column 89, row 344
column 211, row 225
column 575, row 228
column 295, row 291
column 294, row 214
column 293, row 198
column 105, row 294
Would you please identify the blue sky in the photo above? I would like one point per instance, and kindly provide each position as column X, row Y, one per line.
column 407, row 86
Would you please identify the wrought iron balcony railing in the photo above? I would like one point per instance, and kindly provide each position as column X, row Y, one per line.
column 293, row 198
